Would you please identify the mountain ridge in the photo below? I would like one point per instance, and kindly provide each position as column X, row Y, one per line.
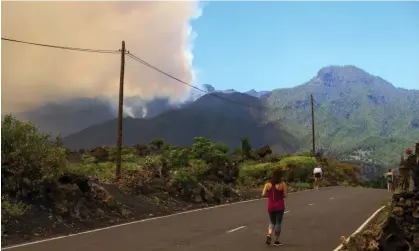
column 208, row 116
column 349, row 101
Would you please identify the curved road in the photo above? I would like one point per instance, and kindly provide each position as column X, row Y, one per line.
column 314, row 220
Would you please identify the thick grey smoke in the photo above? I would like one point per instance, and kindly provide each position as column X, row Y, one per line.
column 158, row 32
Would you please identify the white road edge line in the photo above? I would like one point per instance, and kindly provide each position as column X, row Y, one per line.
column 286, row 212
column 238, row 228
column 311, row 204
column 361, row 227
column 138, row 221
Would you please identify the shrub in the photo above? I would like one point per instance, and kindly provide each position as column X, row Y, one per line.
column 185, row 179
column 105, row 171
column 254, row 174
column 157, row 143
column 212, row 153
column 198, row 167
column 176, row 158
column 298, row 168
column 272, row 158
column 153, row 163
column 221, row 147
column 10, row 209
column 130, row 157
column 336, row 172
column 87, row 159
column 31, row 155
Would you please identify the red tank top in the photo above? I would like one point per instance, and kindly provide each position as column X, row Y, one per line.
column 275, row 199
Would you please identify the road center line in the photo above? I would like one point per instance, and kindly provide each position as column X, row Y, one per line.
column 311, row 204
column 238, row 228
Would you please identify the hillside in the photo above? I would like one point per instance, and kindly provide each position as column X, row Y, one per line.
column 79, row 113
column 358, row 112
column 68, row 117
column 208, row 117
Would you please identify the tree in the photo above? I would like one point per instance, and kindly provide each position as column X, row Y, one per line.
column 246, row 147
column 31, row 155
column 157, row 143
column 212, row 153
column 202, row 148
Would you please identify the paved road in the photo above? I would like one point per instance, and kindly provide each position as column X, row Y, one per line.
column 314, row 221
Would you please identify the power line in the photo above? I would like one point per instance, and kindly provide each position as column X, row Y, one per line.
column 326, row 113
column 61, row 47
column 136, row 58
column 329, row 115
column 132, row 56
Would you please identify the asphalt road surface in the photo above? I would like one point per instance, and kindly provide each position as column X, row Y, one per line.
column 314, row 220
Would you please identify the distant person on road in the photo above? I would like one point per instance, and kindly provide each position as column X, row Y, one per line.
column 276, row 191
column 317, row 174
column 390, row 180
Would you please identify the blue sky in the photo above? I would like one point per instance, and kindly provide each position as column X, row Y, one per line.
column 268, row 45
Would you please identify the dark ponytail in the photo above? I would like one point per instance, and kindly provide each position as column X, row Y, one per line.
column 276, row 177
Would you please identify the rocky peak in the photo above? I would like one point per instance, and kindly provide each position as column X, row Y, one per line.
column 337, row 75
column 208, row 88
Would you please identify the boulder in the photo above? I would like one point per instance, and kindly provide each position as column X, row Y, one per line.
column 263, row 151
column 101, row 153
column 81, row 181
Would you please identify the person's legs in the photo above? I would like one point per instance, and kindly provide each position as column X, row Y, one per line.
column 316, row 182
column 278, row 226
column 272, row 221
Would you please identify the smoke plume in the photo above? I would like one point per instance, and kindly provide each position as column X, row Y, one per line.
column 158, row 32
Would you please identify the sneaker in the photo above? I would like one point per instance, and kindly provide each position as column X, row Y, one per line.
column 277, row 243
column 268, row 240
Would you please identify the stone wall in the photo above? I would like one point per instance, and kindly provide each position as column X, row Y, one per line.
column 399, row 231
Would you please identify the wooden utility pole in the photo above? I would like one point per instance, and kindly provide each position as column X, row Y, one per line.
column 312, row 125
column 120, row 114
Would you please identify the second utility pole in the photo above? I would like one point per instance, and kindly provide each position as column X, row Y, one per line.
column 312, row 125
column 120, row 114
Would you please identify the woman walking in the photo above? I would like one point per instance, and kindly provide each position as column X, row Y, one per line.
column 390, row 180
column 276, row 191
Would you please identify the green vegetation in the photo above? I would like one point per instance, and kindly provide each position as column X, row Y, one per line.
column 358, row 116
column 40, row 177
column 10, row 209
column 31, row 159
